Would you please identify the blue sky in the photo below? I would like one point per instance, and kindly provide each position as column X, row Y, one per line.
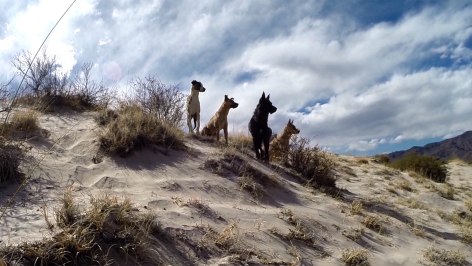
column 358, row 77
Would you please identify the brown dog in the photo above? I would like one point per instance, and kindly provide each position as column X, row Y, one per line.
column 220, row 120
column 280, row 144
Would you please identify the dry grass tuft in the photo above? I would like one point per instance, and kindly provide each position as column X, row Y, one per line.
column 355, row 234
column 25, row 121
column 248, row 184
column 11, row 156
column 468, row 204
column 447, row 191
column 463, row 222
column 356, row 207
column 241, row 142
column 355, row 256
column 68, row 213
column 107, row 230
column 133, row 128
column 444, row 257
column 374, row 223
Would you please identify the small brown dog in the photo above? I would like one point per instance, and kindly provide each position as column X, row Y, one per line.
column 220, row 120
column 280, row 144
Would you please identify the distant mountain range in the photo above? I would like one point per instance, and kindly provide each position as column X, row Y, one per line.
column 457, row 147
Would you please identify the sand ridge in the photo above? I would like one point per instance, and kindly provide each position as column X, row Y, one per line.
column 288, row 224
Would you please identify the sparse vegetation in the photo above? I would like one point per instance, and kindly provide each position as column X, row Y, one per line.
column 355, row 257
column 241, row 142
column 165, row 102
column 108, row 228
column 463, row 222
column 444, row 257
column 355, row 234
column 133, row 128
column 248, row 184
column 25, row 121
column 382, row 159
column 427, row 166
column 356, row 207
column 11, row 156
column 373, row 222
column 314, row 165
column 48, row 89
column 447, row 191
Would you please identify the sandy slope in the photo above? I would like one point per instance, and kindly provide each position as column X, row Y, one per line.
column 189, row 199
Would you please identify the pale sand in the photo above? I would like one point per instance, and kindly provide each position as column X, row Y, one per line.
column 164, row 181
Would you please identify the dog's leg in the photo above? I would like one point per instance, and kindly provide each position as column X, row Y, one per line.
column 198, row 123
column 189, row 122
column 225, row 129
column 266, row 138
column 257, row 146
column 217, row 132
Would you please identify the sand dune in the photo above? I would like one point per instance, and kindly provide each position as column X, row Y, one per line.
column 287, row 223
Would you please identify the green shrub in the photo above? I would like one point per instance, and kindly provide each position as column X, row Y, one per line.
column 133, row 128
column 381, row 158
column 312, row 163
column 427, row 166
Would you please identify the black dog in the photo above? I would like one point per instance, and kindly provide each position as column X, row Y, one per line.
column 259, row 129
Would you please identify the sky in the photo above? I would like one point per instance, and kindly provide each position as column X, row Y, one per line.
column 358, row 77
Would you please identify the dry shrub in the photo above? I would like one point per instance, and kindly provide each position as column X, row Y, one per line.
column 133, row 128
column 166, row 102
column 11, row 156
column 355, row 257
column 25, row 121
column 314, row 165
column 105, row 116
column 109, row 228
column 48, row 89
column 444, row 257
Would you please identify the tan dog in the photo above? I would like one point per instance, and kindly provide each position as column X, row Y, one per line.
column 280, row 144
column 220, row 120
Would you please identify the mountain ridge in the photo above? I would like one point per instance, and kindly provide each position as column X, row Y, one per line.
column 459, row 147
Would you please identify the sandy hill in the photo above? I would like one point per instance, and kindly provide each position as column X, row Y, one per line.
column 394, row 217
column 459, row 147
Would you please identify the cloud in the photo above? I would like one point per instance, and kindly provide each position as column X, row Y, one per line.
column 353, row 76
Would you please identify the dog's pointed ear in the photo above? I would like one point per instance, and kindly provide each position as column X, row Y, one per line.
column 290, row 121
column 262, row 97
column 226, row 97
column 194, row 82
column 268, row 96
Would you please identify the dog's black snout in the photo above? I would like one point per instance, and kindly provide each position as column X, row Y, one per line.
column 202, row 89
column 273, row 109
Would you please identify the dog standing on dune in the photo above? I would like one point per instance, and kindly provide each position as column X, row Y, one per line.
column 259, row 128
column 193, row 106
column 220, row 120
column 280, row 145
